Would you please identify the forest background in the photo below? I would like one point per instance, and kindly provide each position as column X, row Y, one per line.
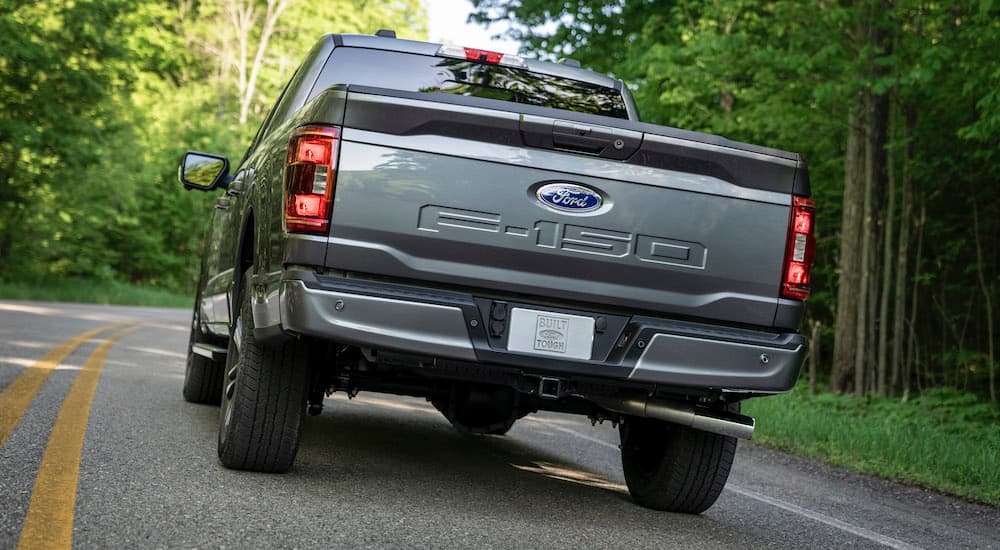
column 895, row 105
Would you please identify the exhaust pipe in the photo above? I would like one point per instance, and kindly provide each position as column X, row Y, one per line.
column 685, row 414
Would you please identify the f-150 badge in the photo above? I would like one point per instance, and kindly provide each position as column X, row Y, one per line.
column 560, row 236
column 569, row 197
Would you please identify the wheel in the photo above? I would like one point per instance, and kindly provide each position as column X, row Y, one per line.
column 674, row 468
column 202, row 376
column 263, row 400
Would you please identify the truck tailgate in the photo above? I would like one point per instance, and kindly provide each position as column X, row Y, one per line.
column 454, row 198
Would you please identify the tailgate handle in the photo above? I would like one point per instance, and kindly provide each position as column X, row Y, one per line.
column 583, row 138
column 579, row 137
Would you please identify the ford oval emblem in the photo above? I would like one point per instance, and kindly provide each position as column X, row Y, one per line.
column 569, row 197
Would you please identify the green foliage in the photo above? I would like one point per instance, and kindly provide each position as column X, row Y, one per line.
column 98, row 101
column 945, row 439
column 58, row 98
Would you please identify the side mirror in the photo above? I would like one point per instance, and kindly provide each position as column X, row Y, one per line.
column 202, row 171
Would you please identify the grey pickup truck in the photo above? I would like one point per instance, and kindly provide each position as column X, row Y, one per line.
column 500, row 236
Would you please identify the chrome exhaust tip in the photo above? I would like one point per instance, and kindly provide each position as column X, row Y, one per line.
column 684, row 414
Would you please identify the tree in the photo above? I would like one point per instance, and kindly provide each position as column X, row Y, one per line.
column 99, row 99
column 61, row 83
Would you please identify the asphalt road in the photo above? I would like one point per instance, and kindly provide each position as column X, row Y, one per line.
column 377, row 471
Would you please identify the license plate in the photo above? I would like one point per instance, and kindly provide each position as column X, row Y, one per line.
column 550, row 334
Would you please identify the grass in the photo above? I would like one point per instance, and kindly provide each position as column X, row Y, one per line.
column 94, row 292
column 944, row 440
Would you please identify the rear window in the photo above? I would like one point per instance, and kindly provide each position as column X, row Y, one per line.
column 424, row 73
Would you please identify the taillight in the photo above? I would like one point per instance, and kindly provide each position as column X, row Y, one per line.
column 801, row 245
column 310, row 178
column 483, row 56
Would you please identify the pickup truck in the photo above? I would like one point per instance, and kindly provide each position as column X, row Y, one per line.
column 500, row 236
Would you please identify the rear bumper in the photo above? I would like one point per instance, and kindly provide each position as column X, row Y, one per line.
column 460, row 326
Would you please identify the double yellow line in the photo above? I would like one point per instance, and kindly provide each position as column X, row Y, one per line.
column 49, row 522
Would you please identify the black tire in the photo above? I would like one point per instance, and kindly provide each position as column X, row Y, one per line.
column 675, row 468
column 263, row 399
column 202, row 376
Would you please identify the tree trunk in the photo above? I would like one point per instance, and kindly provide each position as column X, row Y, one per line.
column 849, row 263
column 905, row 223
column 244, row 18
column 274, row 10
column 912, row 349
column 871, row 357
column 814, row 355
column 861, row 323
column 862, row 173
column 987, row 299
column 872, row 175
column 883, row 333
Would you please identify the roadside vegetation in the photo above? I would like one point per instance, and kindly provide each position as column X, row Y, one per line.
column 944, row 439
column 94, row 292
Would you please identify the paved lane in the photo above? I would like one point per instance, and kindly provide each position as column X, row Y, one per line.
column 384, row 471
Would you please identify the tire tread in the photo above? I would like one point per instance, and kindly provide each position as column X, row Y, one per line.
column 692, row 473
column 269, row 404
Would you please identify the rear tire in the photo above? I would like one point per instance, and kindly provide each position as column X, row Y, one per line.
column 202, row 376
column 675, row 468
column 264, row 398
